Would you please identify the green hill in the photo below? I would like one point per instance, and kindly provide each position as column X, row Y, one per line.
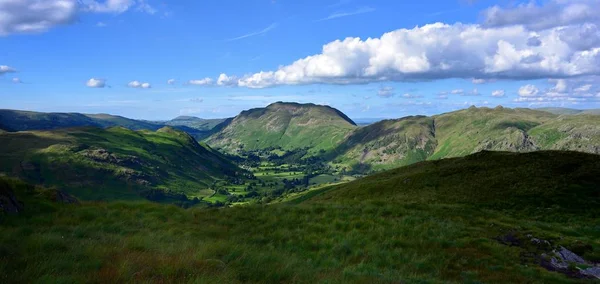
column 18, row 120
column 569, row 111
column 543, row 184
column 492, row 217
column 115, row 163
column 390, row 143
column 286, row 125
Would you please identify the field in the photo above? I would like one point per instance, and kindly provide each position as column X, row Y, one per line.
column 382, row 229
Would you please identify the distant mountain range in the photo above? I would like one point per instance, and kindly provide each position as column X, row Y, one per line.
column 19, row 120
column 330, row 134
column 396, row 142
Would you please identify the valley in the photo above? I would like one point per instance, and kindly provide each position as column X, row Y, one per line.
column 475, row 195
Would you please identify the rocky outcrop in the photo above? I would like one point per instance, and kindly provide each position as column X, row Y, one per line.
column 8, row 202
column 551, row 257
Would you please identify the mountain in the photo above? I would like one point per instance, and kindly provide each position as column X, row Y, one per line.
column 286, row 125
column 388, row 143
column 195, row 122
column 491, row 217
column 569, row 111
column 18, row 120
column 115, row 163
column 392, row 143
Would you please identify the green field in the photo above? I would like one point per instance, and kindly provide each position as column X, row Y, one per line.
column 438, row 222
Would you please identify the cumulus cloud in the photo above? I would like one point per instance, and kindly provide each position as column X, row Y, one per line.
column 478, row 81
column 171, row 81
column 96, row 83
column 6, row 69
column 225, row 80
column 442, row 51
column 386, row 92
column 201, row 82
column 528, row 91
column 31, row 16
column 498, row 93
column 547, row 15
column 138, row 84
column 457, row 92
column 16, row 80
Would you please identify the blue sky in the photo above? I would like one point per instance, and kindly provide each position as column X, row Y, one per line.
column 156, row 59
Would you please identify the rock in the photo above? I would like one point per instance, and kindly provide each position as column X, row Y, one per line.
column 65, row 198
column 591, row 272
column 9, row 203
column 8, row 200
column 570, row 257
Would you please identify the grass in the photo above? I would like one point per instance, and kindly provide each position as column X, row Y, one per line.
column 114, row 163
column 416, row 224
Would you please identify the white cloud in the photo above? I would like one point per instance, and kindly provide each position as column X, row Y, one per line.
column 548, row 15
column 101, row 24
column 474, row 92
column 108, row 6
column 32, row 16
column 337, row 15
column 478, row 81
column 441, row 51
column 411, row 96
column 457, row 92
column 6, row 69
column 528, row 91
column 201, row 82
column 96, row 83
column 16, row 80
column 560, row 87
column 584, row 88
column 498, row 93
column 386, row 92
column 171, row 81
column 225, row 80
column 138, row 84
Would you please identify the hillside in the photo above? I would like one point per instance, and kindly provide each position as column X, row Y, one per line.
column 492, row 217
column 543, row 184
column 569, row 111
column 115, row 163
column 390, row 143
column 286, row 125
column 18, row 120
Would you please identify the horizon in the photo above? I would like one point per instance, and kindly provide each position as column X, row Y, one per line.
column 145, row 59
column 355, row 119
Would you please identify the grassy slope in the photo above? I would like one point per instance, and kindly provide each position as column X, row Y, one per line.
column 73, row 159
column 414, row 224
column 573, row 132
column 389, row 143
column 288, row 125
column 471, row 130
column 392, row 143
column 18, row 120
